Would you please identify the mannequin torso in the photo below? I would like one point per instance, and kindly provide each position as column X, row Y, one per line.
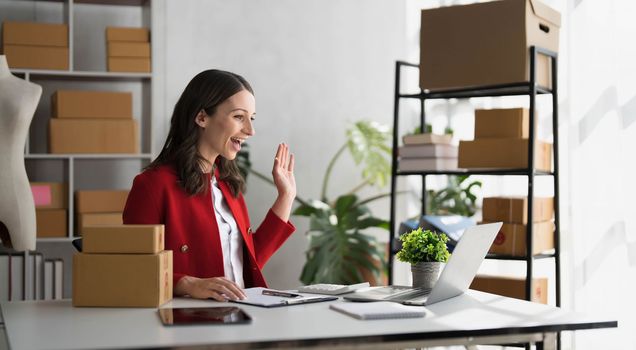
column 18, row 101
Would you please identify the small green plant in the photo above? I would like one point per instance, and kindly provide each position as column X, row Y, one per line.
column 423, row 246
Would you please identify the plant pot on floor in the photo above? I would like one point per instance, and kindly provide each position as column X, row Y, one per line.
column 426, row 274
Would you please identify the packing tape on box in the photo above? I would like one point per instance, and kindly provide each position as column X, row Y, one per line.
column 514, row 239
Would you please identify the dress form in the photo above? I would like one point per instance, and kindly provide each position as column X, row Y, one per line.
column 18, row 101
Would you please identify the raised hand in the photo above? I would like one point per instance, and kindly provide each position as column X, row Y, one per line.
column 283, row 173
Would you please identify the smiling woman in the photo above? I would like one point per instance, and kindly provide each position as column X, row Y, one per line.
column 195, row 189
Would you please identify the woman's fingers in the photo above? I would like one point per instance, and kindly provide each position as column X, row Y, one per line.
column 290, row 168
column 231, row 289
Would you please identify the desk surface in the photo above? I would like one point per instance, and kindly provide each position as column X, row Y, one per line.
column 58, row 325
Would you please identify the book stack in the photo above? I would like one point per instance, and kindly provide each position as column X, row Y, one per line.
column 30, row 277
column 422, row 152
column 122, row 266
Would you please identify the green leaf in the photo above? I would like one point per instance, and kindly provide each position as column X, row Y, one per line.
column 368, row 143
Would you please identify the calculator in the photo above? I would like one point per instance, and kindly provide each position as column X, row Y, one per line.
column 332, row 289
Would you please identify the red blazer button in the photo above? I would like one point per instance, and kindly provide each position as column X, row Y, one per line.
column 184, row 248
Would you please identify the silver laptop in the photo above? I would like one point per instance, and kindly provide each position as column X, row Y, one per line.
column 459, row 272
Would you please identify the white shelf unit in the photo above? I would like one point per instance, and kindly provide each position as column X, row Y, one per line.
column 87, row 20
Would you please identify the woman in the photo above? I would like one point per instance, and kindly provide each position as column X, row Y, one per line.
column 195, row 189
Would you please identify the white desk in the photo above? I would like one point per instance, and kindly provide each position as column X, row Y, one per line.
column 473, row 318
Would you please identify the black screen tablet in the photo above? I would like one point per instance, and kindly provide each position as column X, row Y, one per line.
column 203, row 315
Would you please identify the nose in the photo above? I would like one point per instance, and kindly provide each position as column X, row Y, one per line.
column 249, row 128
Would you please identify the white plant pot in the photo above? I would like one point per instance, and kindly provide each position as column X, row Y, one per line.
column 426, row 274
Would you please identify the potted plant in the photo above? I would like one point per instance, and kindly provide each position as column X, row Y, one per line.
column 426, row 251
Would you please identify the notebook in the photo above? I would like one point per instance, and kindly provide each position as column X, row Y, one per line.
column 378, row 310
column 256, row 297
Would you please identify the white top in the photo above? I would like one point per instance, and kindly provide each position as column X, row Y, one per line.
column 40, row 324
column 231, row 239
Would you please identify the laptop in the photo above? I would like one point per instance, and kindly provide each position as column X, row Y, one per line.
column 455, row 278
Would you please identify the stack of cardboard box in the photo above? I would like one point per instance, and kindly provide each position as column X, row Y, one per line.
column 51, row 204
column 35, row 45
column 94, row 208
column 512, row 287
column 92, row 122
column 427, row 152
column 501, row 141
column 513, row 211
column 128, row 49
column 122, row 266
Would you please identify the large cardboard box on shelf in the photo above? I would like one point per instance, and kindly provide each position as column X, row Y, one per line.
column 37, row 57
column 93, row 136
column 91, row 104
column 511, row 239
column 123, row 239
column 513, row 287
column 49, row 195
column 51, row 223
column 515, row 209
column 96, row 219
column 503, row 153
column 502, row 123
column 122, row 280
column 34, row 34
column 128, row 49
column 131, row 34
column 486, row 43
column 100, row 201
column 129, row 64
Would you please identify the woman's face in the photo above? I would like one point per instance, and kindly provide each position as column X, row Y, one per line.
column 223, row 132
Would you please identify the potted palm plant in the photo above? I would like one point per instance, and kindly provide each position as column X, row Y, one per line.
column 426, row 251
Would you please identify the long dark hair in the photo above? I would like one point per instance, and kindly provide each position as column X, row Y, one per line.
column 206, row 91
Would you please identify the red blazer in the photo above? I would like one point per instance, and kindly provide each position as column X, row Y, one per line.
column 191, row 231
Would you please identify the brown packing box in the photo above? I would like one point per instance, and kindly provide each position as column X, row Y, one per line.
column 37, row 57
column 503, row 153
column 128, row 49
column 98, row 201
column 122, row 280
column 91, row 104
column 511, row 239
column 513, row 287
column 502, row 123
column 486, row 43
column 133, row 34
column 123, row 239
column 49, row 195
column 51, row 223
column 95, row 219
column 34, row 34
column 515, row 209
column 129, row 64
column 93, row 136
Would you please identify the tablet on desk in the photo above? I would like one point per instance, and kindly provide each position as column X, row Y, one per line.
column 203, row 315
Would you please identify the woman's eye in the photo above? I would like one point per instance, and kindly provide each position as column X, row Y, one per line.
column 239, row 117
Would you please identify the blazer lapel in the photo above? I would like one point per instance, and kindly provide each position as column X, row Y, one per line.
column 235, row 208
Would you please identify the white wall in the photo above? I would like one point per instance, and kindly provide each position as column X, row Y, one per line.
column 315, row 65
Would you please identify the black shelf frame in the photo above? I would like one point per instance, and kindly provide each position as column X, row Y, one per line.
column 530, row 89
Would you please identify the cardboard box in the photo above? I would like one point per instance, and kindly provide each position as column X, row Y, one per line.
column 504, row 154
column 128, row 49
column 129, row 64
column 93, row 136
column 122, row 280
column 127, row 34
column 511, row 239
column 123, row 239
column 486, row 43
column 512, row 287
column 100, row 201
column 51, row 223
column 96, row 219
column 502, row 123
column 49, row 195
column 515, row 209
column 37, row 57
column 34, row 34
column 91, row 104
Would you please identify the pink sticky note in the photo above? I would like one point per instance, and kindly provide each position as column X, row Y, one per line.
column 41, row 194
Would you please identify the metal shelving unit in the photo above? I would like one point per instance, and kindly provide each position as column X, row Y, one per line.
column 529, row 89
